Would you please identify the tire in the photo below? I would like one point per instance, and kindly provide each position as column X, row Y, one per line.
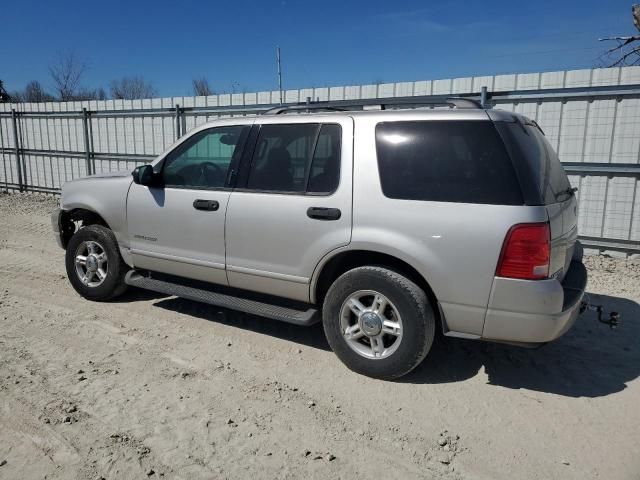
column 407, row 307
column 113, row 268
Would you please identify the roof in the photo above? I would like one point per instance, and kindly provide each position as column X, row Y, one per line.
column 395, row 114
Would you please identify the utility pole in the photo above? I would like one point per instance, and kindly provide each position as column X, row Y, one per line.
column 279, row 73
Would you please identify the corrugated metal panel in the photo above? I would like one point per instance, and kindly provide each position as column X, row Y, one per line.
column 593, row 131
column 600, row 131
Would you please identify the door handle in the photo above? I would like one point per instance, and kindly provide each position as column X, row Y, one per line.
column 321, row 213
column 208, row 205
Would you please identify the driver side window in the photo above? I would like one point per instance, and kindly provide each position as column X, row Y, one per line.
column 203, row 161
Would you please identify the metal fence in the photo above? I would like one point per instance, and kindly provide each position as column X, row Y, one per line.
column 591, row 117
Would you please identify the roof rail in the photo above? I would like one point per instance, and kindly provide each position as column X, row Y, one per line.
column 460, row 102
column 382, row 103
column 302, row 106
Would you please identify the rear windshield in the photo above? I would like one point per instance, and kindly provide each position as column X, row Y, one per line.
column 542, row 175
column 445, row 161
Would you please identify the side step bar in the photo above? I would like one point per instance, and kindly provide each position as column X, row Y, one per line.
column 269, row 310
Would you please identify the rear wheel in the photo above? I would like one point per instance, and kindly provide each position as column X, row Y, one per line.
column 94, row 265
column 378, row 322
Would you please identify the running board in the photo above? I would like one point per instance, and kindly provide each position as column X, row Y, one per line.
column 263, row 309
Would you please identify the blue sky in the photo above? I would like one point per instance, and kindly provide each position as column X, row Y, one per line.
column 323, row 43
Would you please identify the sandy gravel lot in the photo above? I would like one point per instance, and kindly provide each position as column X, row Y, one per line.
column 159, row 387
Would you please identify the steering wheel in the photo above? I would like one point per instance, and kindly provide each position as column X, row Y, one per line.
column 210, row 178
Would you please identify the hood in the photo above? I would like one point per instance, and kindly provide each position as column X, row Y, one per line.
column 96, row 191
column 119, row 173
column 97, row 176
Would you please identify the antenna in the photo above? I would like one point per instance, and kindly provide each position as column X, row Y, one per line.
column 279, row 73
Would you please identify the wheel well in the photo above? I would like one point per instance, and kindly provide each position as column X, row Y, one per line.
column 345, row 261
column 72, row 220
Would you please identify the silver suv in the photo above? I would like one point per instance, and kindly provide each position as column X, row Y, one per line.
column 386, row 225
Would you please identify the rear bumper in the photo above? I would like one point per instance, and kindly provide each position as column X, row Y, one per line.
column 525, row 311
column 56, row 226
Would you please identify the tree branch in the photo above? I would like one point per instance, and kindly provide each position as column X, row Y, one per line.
column 623, row 59
column 624, row 40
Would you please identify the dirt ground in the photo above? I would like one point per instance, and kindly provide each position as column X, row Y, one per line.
column 158, row 387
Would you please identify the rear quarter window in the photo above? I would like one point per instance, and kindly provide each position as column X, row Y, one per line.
column 445, row 161
column 539, row 168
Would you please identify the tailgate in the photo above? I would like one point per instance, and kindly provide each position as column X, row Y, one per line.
column 563, row 223
column 544, row 182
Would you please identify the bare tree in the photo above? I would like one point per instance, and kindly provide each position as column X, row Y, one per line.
column 66, row 72
column 34, row 93
column 16, row 96
column 85, row 94
column 201, row 87
column 626, row 51
column 131, row 88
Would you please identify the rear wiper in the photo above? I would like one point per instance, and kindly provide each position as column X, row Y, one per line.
column 538, row 127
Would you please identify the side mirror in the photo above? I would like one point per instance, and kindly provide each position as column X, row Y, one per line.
column 143, row 175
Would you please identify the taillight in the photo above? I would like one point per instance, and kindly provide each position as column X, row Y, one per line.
column 525, row 252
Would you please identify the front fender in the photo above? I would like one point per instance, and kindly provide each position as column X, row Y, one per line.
column 104, row 196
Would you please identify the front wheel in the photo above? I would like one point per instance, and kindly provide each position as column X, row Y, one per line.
column 378, row 322
column 94, row 265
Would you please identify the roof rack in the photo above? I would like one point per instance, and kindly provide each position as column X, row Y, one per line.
column 382, row 103
column 302, row 106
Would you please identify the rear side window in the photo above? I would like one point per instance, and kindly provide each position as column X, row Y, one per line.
column 325, row 167
column 296, row 158
column 280, row 157
column 537, row 163
column 445, row 161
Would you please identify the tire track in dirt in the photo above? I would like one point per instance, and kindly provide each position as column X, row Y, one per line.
column 134, row 349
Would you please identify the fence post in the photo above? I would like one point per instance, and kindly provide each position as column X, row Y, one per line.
column 16, row 142
column 178, row 128
column 92, row 147
column 87, row 144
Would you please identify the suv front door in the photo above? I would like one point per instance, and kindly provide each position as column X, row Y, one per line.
column 292, row 204
column 178, row 227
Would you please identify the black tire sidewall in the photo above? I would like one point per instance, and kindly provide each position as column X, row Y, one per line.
column 115, row 271
column 418, row 321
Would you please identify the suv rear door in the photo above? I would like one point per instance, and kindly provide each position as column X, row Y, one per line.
column 292, row 203
column 544, row 182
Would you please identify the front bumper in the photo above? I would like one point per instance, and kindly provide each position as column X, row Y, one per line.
column 56, row 225
column 526, row 311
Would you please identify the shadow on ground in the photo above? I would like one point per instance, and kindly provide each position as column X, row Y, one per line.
column 309, row 336
column 137, row 295
column 591, row 360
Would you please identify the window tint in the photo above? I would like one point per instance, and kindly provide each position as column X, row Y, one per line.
column 203, row 160
column 541, row 164
column 447, row 161
column 280, row 157
column 325, row 167
column 557, row 176
column 296, row 158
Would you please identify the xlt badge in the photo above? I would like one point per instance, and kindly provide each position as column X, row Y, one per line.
column 144, row 237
